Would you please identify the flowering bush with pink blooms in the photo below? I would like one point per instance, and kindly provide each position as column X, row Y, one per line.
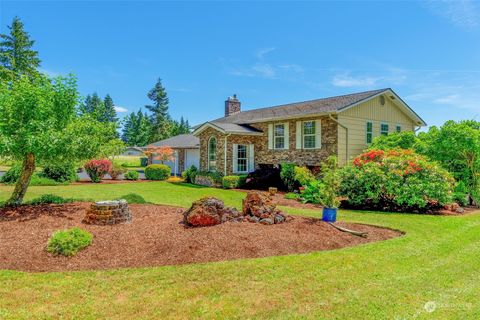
column 395, row 180
column 98, row 168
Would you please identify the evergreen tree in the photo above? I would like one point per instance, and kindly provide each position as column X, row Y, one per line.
column 16, row 54
column 110, row 113
column 160, row 119
column 137, row 129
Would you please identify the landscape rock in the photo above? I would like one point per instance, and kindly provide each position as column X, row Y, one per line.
column 260, row 205
column 209, row 211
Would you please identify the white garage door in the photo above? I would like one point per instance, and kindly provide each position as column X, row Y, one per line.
column 192, row 157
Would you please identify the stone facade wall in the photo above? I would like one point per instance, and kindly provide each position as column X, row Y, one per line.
column 263, row 155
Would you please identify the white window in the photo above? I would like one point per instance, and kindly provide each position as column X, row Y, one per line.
column 399, row 128
column 279, row 136
column 243, row 158
column 369, row 132
column 309, row 135
column 212, row 154
column 384, row 129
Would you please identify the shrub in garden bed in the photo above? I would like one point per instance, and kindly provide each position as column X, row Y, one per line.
column 13, row 174
column 264, row 178
column 97, row 169
column 131, row 175
column 209, row 179
column 50, row 198
column 395, row 181
column 157, row 172
column 69, row 242
column 230, row 182
column 60, row 172
column 189, row 174
column 116, row 171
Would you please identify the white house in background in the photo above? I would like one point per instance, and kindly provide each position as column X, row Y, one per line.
column 187, row 152
column 133, row 151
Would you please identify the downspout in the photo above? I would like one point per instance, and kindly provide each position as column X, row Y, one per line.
column 346, row 135
column 225, row 155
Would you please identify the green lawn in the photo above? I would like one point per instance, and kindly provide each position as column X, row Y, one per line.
column 436, row 262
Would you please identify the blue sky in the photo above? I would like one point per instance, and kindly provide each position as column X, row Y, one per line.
column 267, row 52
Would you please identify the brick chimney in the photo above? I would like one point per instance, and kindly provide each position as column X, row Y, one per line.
column 232, row 106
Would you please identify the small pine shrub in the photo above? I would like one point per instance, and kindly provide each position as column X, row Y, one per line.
column 134, row 198
column 157, row 172
column 69, row 242
column 60, row 172
column 189, row 174
column 230, row 182
column 132, row 175
column 97, row 169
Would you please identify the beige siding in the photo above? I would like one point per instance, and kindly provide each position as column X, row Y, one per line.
column 355, row 119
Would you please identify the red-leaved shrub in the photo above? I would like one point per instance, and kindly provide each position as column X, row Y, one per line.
column 97, row 168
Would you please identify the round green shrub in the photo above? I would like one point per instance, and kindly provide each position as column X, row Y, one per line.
column 131, row 175
column 134, row 198
column 69, row 242
column 60, row 172
column 157, row 172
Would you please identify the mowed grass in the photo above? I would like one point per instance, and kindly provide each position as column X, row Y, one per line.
column 435, row 263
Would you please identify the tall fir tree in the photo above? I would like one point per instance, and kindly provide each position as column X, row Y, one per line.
column 136, row 130
column 16, row 54
column 161, row 123
column 110, row 112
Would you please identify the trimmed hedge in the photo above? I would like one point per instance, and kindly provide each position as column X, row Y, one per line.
column 157, row 172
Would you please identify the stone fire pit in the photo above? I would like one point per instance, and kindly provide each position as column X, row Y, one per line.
column 108, row 213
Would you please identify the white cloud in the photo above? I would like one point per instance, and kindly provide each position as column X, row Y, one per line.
column 462, row 13
column 345, row 80
column 260, row 54
column 120, row 109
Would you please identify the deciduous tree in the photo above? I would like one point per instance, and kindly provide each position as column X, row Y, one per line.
column 38, row 124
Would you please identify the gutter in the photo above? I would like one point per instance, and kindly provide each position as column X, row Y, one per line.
column 346, row 135
column 225, row 155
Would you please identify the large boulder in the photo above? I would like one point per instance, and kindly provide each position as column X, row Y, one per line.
column 209, row 211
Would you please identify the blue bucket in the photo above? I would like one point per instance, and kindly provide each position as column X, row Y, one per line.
column 329, row 214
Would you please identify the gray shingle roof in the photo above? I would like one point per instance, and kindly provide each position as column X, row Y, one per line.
column 234, row 128
column 310, row 107
column 180, row 141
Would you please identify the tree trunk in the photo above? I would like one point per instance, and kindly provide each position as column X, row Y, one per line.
column 28, row 167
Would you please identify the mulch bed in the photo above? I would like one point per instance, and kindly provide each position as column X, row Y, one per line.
column 156, row 237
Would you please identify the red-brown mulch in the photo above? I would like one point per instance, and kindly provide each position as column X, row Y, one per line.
column 156, row 237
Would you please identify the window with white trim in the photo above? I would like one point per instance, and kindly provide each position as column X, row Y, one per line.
column 309, row 136
column 279, row 136
column 369, row 132
column 398, row 128
column 242, row 158
column 212, row 154
column 384, row 129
